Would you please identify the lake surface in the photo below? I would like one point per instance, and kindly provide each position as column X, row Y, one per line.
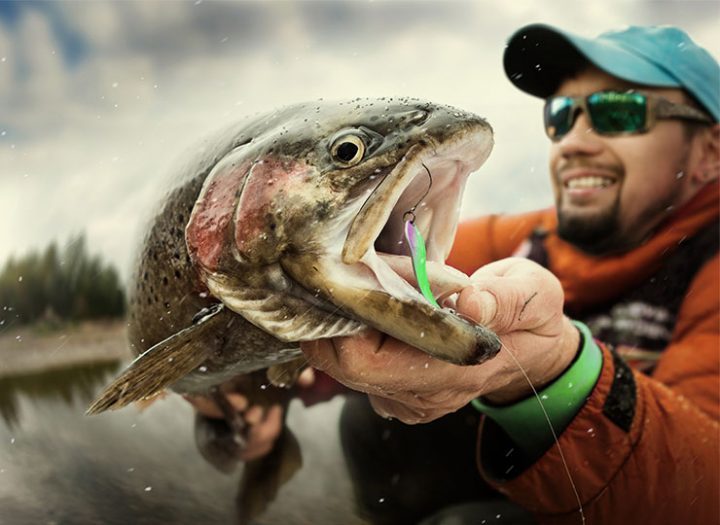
column 339, row 464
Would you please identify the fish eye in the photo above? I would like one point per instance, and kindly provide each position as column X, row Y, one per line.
column 348, row 150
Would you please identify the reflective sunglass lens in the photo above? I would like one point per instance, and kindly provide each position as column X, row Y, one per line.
column 558, row 116
column 613, row 112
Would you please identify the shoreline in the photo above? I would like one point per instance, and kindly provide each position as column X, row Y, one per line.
column 27, row 349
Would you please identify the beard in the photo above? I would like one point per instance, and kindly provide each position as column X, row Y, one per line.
column 596, row 234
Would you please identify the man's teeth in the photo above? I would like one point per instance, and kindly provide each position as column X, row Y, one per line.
column 588, row 182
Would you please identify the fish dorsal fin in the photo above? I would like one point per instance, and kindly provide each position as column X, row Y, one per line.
column 162, row 364
column 284, row 316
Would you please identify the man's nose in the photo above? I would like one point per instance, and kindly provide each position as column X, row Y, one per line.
column 581, row 139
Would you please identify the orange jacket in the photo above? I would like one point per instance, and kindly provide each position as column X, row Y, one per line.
column 665, row 469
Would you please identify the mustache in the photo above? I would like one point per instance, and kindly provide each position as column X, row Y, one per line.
column 582, row 163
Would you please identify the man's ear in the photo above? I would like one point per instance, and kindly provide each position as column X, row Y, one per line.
column 707, row 166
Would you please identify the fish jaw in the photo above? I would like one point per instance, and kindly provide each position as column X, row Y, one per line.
column 355, row 288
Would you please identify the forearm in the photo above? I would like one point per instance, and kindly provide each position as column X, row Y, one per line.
column 636, row 449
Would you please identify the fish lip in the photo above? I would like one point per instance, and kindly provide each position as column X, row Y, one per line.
column 467, row 150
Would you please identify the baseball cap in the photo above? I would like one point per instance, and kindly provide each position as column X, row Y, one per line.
column 538, row 57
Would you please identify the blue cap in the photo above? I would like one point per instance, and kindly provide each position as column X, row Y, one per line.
column 538, row 57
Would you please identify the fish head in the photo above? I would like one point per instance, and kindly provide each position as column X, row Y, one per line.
column 318, row 194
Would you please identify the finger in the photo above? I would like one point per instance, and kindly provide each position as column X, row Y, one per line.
column 205, row 406
column 408, row 414
column 254, row 415
column 238, row 401
column 522, row 297
column 262, row 436
column 443, row 279
column 306, row 377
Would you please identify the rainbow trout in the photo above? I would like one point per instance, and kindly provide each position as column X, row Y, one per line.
column 289, row 227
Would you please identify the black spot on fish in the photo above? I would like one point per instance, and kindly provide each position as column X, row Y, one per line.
column 323, row 210
column 165, row 280
column 177, row 274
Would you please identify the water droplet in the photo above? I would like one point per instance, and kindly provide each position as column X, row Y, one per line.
column 570, row 385
column 427, row 365
column 381, row 500
column 115, row 84
column 19, row 338
column 12, row 441
column 20, row 279
column 679, row 174
column 148, row 489
column 263, row 387
column 131, row 469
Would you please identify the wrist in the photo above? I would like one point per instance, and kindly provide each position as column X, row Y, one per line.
column 532, row 422
column 569, row 344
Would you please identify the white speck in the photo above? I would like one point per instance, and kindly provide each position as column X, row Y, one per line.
column 148, row 489
column 224, row 39
column 3, row 133
column 203, row 295
column 570, row 385
column 679, row 174
column 544, row 397
column 590, row 430
column 263, row 387
column 115, row 84
column 12, row 441
column 498, row 516
column 381, row 500
column 203, row 369
column 19, row 338
column 133, row 425
column 20, row 279
column 131, row 469
column 427, row 365
column 422, row 334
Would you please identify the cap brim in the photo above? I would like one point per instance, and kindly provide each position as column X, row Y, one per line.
column 539, row 57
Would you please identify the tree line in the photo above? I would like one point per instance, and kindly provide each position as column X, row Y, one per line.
column 60, row 284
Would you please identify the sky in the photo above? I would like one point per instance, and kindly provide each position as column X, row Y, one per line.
column 101, row 101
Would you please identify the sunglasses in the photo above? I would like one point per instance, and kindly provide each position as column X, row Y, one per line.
column 614, row 113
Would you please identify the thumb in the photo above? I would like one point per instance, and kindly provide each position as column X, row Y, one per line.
column 479, row 305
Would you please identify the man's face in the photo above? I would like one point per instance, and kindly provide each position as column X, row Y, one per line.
column 611, row 192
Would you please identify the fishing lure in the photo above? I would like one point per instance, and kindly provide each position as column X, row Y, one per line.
column 416, row 244
column 418, row 255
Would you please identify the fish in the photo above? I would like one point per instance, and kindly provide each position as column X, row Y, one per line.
column 288, row 227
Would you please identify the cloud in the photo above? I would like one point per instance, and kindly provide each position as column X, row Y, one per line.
column 104, row 98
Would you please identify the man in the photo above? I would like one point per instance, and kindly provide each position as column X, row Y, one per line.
column 631, row 250
column 634, row 161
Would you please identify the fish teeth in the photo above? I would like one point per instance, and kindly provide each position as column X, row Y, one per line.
column 588, row 182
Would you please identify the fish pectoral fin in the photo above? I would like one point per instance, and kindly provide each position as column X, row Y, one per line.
column 162, row 364
column 284, row 375
column 284, row 316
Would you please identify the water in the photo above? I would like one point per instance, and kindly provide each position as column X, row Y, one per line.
column 341, row 463
column 59, row 466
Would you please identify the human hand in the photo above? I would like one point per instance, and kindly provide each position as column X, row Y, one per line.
column 518, row 299
column 263, row 423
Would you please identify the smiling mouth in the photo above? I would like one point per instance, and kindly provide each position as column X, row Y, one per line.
column 588, row 182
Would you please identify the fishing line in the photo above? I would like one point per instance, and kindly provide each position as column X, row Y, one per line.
column 552, row 430
column 418, row 255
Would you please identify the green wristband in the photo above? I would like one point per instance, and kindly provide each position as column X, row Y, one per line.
column 525, row 421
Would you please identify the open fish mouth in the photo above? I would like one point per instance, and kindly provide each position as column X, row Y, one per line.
column 428, row 182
